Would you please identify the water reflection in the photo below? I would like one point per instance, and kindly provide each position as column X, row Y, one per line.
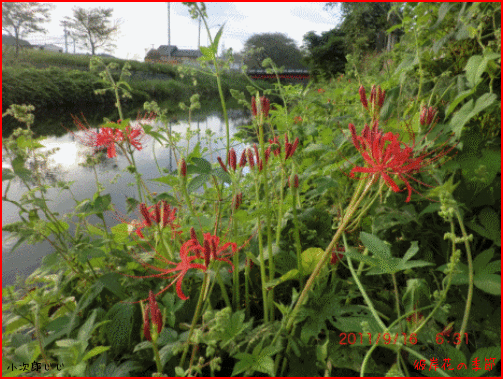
column 66, row 165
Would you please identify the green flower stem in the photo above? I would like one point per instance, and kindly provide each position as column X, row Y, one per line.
column 247, row 287
column 298, row 246
column 196, row 317
column 157, row 357
column 270, row 299
column 466, row 315
column 261, row 255
column 364, row 293
column 222, row 286
column 235, row 261
column 350, row 210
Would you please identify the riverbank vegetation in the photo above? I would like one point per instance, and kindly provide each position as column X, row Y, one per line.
column 54, row 81
column 357, row 234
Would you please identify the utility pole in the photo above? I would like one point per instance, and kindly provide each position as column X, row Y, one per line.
column 66, row 35
column 169, row 34
column 199, row 34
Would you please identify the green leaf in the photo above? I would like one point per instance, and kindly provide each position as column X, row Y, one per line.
column 469, row 110
column 97, row 350
column 7, row 174
column 380, row 249
column 197, row 182
column 245, row 363
column 491, row 354
column 490, row 283
column 121, row 330
column 482, row 259
column 86, row 330
column 217, row 39
column 111, row 281
column 120, row 233
column 310, row 258
column 202, row 166
column 292, row 274
column 463, row 95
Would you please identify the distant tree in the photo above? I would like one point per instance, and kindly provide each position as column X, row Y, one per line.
column 365, row 25
column 21, row 19
column 94, row 27
column 281, row 49
column 325, row 54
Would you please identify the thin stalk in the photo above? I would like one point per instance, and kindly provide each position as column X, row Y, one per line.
column 261, row 256
column 351, row 209
column 195, row 318
column 468, row 305
column 298, row 246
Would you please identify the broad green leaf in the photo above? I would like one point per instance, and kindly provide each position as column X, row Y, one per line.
column 120, row 331
column 197, row 182
column 463, row 95
column 217, row 38
column 7, row 174
column 474, row 68
column 485, row 355
column 292, row 274
column 86, row 330
column 469, row 110
column 310, row 258
column 120, row 233
column 482, row 259
column 97, row 350
column 202, row 166
column 380, row 249
column 111, row 282
column 490, row 283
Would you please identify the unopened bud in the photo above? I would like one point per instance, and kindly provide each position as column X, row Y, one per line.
column 242, row 161
column 183, row 168
column 232, row 159
column 363, row 97
column 145, row 214
column 222, row 164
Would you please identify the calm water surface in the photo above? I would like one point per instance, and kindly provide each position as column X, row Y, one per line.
column 65, row 165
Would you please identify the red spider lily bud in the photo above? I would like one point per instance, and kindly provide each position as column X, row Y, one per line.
column 286, row 139
column 427, row 115
column 296, row 181
column 373, row 94
column 257, row 155
column 366, row 132
column 260, row 165
column 267, row 153
column 293, row 148
column 193, row 235
column 151, row 312
column 157, row 213
column 265, row 104
column 254, row 106
column 375, row 127
column 183, row 168
column 207, row 253
column 275, row 144
column 288, row 148
column 242, row 161
column 249, row 262
column 214, row 248
column 232, row 159
column 222, row 164
column 238, row 199
column 363, row 97
column 145, row 214
column 380, row 97
column 250, row 157
column 353, row 136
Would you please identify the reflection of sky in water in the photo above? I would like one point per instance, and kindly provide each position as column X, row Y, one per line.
column 64, row 164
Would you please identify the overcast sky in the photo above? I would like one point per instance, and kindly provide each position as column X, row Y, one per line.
column 145, row 25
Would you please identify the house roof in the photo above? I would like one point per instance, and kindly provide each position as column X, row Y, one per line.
column 165, row 50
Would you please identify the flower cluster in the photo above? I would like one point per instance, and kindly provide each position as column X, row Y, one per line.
column 161, row 213
column 385, row 156
column 210, row 250
column 108, row 137
column 376, row 100
column 153, row 313
column 427, row 115
column 264, row 106
column 336, row 257
column 289, row 147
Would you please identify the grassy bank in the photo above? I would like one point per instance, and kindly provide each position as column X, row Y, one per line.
column 54, row 81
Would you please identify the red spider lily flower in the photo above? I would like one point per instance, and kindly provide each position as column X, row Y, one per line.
column 182, row 268
column 133, row 135
column 290, row 148
column 215, row 252
column 153, row 313
column 242, row 161
column 267, row 153
column 108, row 137
column 154, row 213
column 321, row 90
column 427, row 115
column 386, row 156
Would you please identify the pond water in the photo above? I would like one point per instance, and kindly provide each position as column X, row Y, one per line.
column 64, row 165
